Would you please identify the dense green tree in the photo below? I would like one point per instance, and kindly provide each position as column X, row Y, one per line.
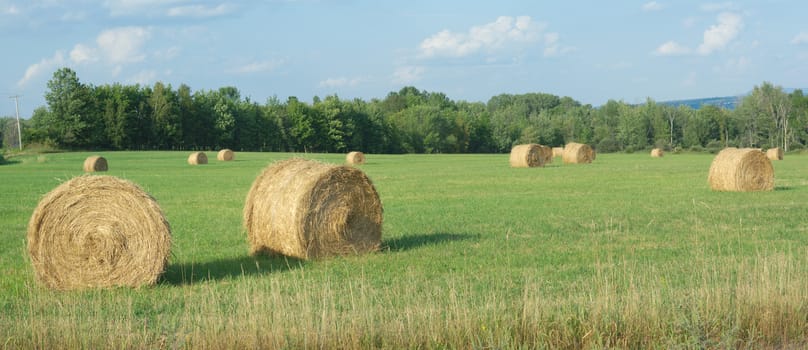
column 70, row 119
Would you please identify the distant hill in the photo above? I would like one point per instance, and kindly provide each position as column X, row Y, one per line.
column 728, row 102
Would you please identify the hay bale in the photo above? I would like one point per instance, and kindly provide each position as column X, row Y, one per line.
column 526, row 156
column 741, row 170
column 657, row 153
column 96, row 232
column 95, row 163
column 578, row 153
column 225, row 155
column 306, row 209
column 546, row 154
column 775, row 153
column 355, row 158
column 197, row 158
column 558, row 151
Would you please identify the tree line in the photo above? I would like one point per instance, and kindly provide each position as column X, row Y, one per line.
column 161, row 117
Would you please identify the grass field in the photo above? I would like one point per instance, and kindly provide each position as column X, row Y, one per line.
column 627, row 252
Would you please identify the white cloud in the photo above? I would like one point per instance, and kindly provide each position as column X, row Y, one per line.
column 82, row 53
column 144, row 77
column 46, row 64
column 199, row 11
column 719, row 35
column 11, row 10
column 408, row 74
column 671, row 48
column 123, row 45
column 652, row 6
column 801, row 38
column 505, row 31
column 132, row 7
column 257, row 67
column 340, row 82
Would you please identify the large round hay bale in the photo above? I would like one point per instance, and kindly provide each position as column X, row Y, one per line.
column 306, row 209
column 775, row 153
column 558, row 151
column 95, row 163
column 225, row 155
column 96, row 232
column 526, row 156
column 657, row 153
column 741, row 170
column 578, row 153
column 197, row 158
column 355, row 158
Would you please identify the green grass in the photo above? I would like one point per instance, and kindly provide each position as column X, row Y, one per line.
column 627, row 252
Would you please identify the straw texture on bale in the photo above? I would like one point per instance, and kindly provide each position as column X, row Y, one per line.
column 741, row 170
column 355, row 157
column 578, row 153
column 546, row 154
column 306, row 209
column 225, row 155
column 197, row 158
column 95, row 163
column 526, row 156
column 96, row 232
column 558, row 151
column 775, row 153
column 657, row 153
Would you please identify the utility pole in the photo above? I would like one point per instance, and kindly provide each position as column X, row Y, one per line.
column 17, row 109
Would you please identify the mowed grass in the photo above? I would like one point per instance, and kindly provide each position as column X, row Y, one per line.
column 627, row 252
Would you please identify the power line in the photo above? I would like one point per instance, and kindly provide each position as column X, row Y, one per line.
column 17, row 109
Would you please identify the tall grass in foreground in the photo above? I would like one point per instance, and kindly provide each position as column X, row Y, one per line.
column 627, row 252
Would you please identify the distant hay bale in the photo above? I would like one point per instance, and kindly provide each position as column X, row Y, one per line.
column 526, row 156
column 657, row 153
column 775, row 153
column 307, row 209
column 197, row 158
column 225, row 155
column 558, row 151
column 741, row 170
column 95, row 163
column 96, row 232
column 355, row 157
column 578, row 153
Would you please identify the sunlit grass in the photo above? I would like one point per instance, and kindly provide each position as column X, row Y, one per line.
column 627, row 252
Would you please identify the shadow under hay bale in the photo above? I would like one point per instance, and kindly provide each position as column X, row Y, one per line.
column 198, row 158
column 741, row 170
column 98, row 232
column 657, row 153
column 307, row 209
column 95, row 163
column 775, row 153
column 355, row 158
column 578, row 153
column 225, row 155
column 526, row 156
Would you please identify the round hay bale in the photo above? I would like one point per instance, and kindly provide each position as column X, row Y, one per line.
column 306, row 209
column 657, row 153
column 741, row 170
column 197, row 158
column 96, row 232
column 526, row 156
column 225, row 155
column 578, row 153
column 558, row 151
column 546, row 154
column 775, row 153
column 95, row 163
column 355, row 158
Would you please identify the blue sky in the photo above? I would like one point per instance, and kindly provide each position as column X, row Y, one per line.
column 592, row 51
